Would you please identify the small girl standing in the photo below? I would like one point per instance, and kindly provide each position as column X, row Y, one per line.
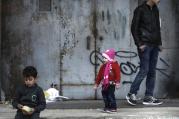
column 109, row 75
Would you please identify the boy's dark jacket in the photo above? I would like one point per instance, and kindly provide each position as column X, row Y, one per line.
column 30, row 96
column 145, row 26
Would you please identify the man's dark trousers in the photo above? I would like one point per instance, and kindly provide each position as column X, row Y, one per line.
column 148, row 61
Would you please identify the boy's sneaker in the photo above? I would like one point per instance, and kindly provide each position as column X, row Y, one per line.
column 131, row 99
column 149, row 100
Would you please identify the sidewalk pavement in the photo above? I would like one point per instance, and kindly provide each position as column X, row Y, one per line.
column 91, row 109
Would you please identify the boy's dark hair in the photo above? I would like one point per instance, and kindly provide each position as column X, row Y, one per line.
column 30, row 71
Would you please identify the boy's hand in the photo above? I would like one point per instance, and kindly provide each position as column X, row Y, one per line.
column 31, row 112
column 28, row 113
column 19, row 106
column 95, row 87
column 117, row 85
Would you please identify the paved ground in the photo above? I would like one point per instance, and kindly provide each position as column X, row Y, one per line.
column 93, row 104
column 91, row 109
column 123, row 113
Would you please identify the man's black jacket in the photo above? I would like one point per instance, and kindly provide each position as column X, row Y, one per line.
column 30, row 96
column 146, row 25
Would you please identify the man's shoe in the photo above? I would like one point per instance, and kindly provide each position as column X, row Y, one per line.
column 113, row 110
column 106, row 110
column 149, row 100
column 131, row 99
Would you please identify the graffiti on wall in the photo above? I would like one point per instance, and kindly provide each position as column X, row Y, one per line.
column 128, row 67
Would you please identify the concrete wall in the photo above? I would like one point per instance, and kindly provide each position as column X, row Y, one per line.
column 170, row 35
column 0, row 50
column 61, row 38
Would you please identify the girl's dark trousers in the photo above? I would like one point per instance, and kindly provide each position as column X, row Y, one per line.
column 109, row 97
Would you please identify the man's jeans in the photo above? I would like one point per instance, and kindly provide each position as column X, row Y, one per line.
column 148, row 61
column 109, row 97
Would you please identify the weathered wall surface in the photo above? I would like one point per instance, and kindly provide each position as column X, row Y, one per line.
column 0, row 50
column 62, row 37
column 170, row 28
column 30, row 37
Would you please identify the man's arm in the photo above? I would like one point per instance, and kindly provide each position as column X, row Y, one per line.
column 135, row 27
column 159, row 25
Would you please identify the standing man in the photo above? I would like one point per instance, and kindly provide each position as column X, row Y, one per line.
column 147, row 37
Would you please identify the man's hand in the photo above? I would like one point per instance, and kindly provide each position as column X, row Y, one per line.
column 142, row 47
column 160, row 48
